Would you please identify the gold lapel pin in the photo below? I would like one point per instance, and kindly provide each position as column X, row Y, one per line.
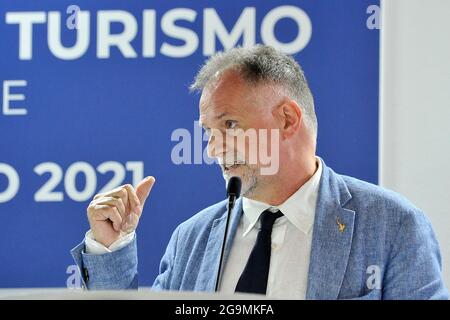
column 341, row 226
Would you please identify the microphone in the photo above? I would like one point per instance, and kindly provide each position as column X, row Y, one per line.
column 233, row 192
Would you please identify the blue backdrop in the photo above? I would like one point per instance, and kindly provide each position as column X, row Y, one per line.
column 91, row 119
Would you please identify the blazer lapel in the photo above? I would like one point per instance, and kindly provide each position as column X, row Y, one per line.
column 332, row 238
column 206, row 280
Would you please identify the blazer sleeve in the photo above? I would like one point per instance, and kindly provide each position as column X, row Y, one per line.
column 109, row 271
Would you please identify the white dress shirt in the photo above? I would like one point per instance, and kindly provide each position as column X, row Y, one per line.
column 93, row 247
column 291, row 242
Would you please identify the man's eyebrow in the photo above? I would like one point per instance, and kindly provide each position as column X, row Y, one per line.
column 201, row 124
column 222, row 115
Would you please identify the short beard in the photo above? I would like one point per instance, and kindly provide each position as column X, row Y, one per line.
column 249, row 186
column 249, row 182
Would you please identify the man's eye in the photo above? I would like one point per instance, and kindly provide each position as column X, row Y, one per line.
column 230, row 124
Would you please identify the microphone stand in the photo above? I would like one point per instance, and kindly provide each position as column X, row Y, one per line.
column 231, row 201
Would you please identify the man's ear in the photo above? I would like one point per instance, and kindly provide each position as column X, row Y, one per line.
column 290, row 116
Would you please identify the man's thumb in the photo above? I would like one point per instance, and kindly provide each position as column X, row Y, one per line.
column 143, row 189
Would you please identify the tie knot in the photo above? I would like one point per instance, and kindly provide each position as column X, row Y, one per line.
column 268, row 219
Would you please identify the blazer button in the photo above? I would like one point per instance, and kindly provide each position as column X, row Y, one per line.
column 86, row 274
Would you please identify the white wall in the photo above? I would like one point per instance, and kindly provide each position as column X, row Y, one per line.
column 415, row 109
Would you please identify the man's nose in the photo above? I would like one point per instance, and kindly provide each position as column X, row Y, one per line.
column 216, row 145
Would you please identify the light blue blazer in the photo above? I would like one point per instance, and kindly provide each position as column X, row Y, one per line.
column 387, row 249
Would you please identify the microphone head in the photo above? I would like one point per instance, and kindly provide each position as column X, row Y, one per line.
column 234, row 187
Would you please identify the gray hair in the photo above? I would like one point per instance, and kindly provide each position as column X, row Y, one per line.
column 261, row 63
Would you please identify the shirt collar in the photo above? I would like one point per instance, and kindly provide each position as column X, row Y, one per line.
column 299, row 208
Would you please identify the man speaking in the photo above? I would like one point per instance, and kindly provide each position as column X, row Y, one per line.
column 298, row 231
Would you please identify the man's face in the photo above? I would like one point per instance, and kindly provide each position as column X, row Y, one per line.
column 238, row 118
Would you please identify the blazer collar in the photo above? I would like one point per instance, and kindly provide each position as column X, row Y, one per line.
column 332, row 237
column 210, row 265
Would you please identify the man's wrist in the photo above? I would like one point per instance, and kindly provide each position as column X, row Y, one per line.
column 94, row 247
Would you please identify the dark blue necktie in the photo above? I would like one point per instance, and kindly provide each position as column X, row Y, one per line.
column 254, row 277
